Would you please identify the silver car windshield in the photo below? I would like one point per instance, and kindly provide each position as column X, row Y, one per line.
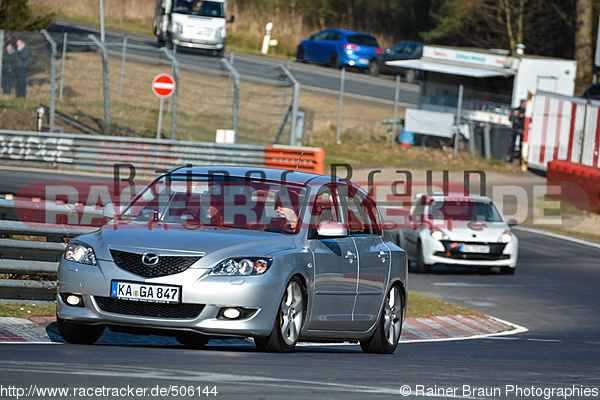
column 465, row 210
column 221, row 201
column 199, row 7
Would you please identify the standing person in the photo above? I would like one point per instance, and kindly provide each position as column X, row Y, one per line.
column 517, row 117
column 8, row 68
column 22, row 66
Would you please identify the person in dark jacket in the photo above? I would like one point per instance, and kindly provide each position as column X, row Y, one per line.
column 22, row 67
column 8, row 68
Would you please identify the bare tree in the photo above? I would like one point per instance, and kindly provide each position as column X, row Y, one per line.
column 583, row 42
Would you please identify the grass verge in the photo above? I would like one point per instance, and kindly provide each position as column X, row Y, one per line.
column 422, row 307
column 418, row 307
column 20, row 310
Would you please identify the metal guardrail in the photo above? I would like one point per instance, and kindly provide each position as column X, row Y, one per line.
column 99, row 153
column 19, row 259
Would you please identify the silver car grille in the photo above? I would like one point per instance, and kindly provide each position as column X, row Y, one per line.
column 146, row 309
column 167, row 265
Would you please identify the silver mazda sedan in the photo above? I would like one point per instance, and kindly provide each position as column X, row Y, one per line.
column 218, row 252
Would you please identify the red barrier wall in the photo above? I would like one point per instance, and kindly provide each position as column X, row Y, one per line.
column 574, row 183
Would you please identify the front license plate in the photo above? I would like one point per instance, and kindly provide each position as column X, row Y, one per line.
column 475, row 248
column 363, row 61
column 145, row 292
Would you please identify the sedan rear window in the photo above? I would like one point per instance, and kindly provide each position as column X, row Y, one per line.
column 363, row 40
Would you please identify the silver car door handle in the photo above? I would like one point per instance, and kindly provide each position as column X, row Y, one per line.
column 383, row 255
column 350, row 256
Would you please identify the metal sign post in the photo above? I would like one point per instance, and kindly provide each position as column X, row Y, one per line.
column 163, row 86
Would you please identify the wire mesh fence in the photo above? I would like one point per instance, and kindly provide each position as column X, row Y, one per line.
column 204, row 100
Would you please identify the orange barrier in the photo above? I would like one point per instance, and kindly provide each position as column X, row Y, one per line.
column 307, row 159
column 575, row 183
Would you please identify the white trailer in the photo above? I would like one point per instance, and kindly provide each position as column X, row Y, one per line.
column 494, row 81
column 197, row 24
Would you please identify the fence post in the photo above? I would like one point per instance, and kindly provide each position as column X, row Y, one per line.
column 105, row 79
column 396, row 100
column 122, row 68
column 52, row 79
column 228, row 87
column 175, row 71
column 339, row 124
column 295, row 98
column 236, row 92
column 1, row 51
column 62, row 67
column 472, row 137
column 487, row 149
column 461, row 89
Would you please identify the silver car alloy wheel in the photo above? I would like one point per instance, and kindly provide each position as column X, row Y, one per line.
column 291, row 313
column 393, row 313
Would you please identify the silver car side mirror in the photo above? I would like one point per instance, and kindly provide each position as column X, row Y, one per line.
column 332, row 229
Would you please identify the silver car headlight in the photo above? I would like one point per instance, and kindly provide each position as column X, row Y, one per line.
column 506, row 237
column 177, row 27
column 243, row 266
column 219, row 33
column 80, row 253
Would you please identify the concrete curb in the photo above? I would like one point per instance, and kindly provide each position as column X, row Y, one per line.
column 452, row 327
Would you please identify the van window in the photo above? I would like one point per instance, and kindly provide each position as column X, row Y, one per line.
column 199, row 7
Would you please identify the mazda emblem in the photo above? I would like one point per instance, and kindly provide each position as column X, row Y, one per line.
column 150, row 259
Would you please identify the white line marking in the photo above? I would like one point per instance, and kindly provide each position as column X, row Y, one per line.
column 558, row 236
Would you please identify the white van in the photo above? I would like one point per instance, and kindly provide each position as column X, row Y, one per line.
column 198, row 24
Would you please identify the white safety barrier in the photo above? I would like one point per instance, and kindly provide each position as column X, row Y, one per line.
column 563, row 128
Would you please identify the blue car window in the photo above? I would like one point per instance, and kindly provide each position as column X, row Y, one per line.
column 399, row 48
column 321, row 35
column 363, row 40
column 332, row 35
column 411, row 49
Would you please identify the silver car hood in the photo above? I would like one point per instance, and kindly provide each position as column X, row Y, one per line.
column 476, row 231
column 211, row 243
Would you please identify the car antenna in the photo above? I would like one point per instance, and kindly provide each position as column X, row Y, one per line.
column 300, row 159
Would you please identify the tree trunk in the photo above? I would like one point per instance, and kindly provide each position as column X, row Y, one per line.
column 583, row 43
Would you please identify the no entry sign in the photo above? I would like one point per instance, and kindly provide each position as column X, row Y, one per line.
column 163, row 85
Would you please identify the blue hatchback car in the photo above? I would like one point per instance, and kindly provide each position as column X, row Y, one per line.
column 338, row 48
